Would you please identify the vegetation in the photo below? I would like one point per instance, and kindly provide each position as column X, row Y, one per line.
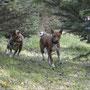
column 72, row 14
column 31, row 73
column 24, row 15
column 18, row 14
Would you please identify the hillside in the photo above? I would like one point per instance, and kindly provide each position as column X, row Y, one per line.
column 29, row 72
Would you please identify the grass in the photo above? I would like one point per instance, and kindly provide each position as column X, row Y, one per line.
column 29, row 72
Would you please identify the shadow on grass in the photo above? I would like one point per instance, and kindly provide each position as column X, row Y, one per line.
column 40, row 71
column 75, row 48
column 82, row 56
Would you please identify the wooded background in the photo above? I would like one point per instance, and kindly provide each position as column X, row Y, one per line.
column 32, row 16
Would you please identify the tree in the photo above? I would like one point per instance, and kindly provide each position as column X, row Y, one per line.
column 18, row 14
column 72, row 14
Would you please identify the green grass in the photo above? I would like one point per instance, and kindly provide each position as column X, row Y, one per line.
column 29, row 72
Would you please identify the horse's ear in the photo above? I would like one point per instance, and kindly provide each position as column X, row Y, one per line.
column 60, row 31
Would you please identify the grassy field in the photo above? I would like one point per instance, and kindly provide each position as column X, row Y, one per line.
column 29, row 72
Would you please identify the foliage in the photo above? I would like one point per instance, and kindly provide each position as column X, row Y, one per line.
column 23, row 15
column 18, row 14
column 72, row 14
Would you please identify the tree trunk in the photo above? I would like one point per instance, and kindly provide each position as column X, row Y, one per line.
column 43, row 19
